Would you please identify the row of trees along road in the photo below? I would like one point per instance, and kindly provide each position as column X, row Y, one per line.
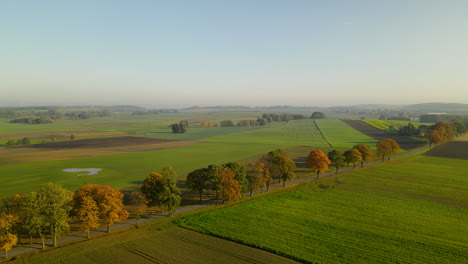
column 49, row 210
column 318, row 161
column 231, row 179
column 228, row 179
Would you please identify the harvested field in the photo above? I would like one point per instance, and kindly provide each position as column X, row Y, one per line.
column 85, row 148
column 456, row 149
column 103, row 142
column 363, row 127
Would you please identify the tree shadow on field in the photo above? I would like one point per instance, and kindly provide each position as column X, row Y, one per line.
column 159, row 132
column 137, row 182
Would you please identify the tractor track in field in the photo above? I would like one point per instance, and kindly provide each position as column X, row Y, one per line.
column 213, row 248
column 146, row 256
column 323, row 136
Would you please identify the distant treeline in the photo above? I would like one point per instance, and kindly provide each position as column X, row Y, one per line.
column 47, row 117
column 263, row 120
column 155, row 112
column 434, row 118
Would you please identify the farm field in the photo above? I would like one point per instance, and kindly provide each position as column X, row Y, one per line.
column 293, row 133
column 85, row 148
column 126, row 160
column 457, row 148
column 403, row 211
column 122, row 170
column 155, row 243
column 385, row 124
column 406, row 143
column 124, row 124
column 340, row 134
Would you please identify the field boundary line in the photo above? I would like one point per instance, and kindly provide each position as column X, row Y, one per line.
column 318, row 128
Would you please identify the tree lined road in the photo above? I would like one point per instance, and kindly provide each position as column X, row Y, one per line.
column 75, row 237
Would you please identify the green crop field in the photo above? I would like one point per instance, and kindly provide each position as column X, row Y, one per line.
column 154, row 243
column 222, row 144
column 409, row 210
column 341, row 135
column 279, row 134
column 385, row 124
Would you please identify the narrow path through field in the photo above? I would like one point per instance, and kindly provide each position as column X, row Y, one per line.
column 321, row 133
column 83, row 236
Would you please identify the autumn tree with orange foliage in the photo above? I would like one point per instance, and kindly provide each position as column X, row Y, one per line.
column 108, row 200
column 7, row 242
column 88, row 214
column 366, row 153
column 318, row 161
column 255, row 176
column 441, row 132
column 387, row 147
column 231, row 190
column 7, row 220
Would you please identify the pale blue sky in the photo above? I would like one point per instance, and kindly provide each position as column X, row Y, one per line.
column 247, row 52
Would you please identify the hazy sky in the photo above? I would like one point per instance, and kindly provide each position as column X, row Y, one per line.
column 219, row 52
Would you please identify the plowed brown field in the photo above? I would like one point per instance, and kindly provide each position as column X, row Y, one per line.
column 456, row 149
column 103, row 142
column 363, row 127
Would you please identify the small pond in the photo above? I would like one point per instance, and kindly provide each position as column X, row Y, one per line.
column 90, row 171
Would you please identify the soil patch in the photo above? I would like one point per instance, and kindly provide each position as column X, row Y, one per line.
column 363, row 127
column 102, row 142
column 452, row 149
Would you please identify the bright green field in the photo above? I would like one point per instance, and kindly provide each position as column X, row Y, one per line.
column 385, row 124
column 222, row 144
column 341, row 135
column 279, row 134
column 151, row 125
column 122, row 170
column 409, row 210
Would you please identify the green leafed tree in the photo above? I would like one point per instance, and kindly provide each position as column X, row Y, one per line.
column 336, row 158
column 240, row 172
column 214, row 178
column 58, row 204
column 35, row 219
column 198, row 181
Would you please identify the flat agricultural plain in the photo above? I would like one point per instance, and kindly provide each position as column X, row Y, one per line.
column 126, row 161
column 409, row 210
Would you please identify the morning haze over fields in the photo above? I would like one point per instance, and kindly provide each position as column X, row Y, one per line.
column 233, row 131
